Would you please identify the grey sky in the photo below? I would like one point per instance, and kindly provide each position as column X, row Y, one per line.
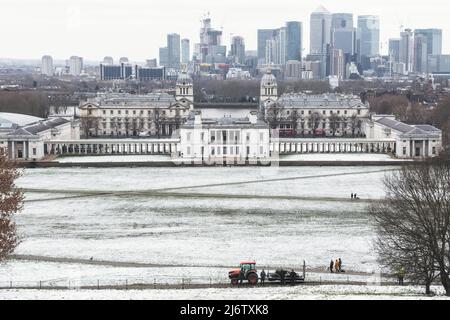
column 137, row 28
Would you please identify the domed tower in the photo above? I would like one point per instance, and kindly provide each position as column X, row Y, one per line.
column 269, row 88
column 184, row 89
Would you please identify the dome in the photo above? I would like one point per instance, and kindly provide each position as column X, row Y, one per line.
column 268, row 79
column 183, row 79
column 321, row 9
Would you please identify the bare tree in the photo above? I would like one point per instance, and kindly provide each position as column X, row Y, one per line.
column 335, row 123
column 314, row 121
column 413, row 222
column 293, row 119
column 274, row 115
column 88, row 124
column 355, row 124
column 11, row 200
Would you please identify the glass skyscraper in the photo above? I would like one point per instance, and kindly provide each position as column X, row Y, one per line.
column 293, row 40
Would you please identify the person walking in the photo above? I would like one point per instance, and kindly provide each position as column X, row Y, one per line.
column 282, row 275
column 263, row 277
column 352, row 195
column 336, row 265
column 331, row 266
column 340, row 265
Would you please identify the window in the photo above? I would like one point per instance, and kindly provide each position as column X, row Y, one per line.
column 119, row 112
column 433, row 151
column 188, row 136
column 339, row 112
column 126, row 112
column 34, row 151
column 309, row 111
column 213, row 150
column 112, row 112
column 248, row 136
column 224, row 151
column 261, row 150
column 324, row 112
column 202, row 136
column 404, row 151
column 359, row 111
column 303, row 112
column 104, row 111
column 89, row 112
column 134, row 111
column 345, row 111
column 237, row 150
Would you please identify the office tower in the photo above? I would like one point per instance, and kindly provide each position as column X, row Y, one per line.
column 406, row 55
column 238, row 49
column 420, row 53
column 108, row 60
column 185, row 51
column 394, row 50
column 368, row 38
column 173, row 50
column 163, row 57
column 343, row 32
column 293, row 70
column 210, row 47
column 434, row 40
column 320, row 30
column 47, row 66
column 438, row 63
column 263, row 36
column 75, row 65
column 337, row 63
column 293, row 40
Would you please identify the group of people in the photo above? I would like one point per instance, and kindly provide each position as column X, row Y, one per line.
column 354, row 196
column 292, row 276
column 336, row 265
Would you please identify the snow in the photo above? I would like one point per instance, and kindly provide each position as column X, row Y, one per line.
column 122, row 158
column 305, row 292
column 200, row 236
column 339, row 157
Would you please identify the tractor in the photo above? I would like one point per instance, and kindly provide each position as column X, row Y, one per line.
column 249, row 273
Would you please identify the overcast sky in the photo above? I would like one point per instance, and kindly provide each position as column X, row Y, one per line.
column 137, row 28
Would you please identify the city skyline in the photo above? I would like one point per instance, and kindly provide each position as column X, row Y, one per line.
column 89, row 28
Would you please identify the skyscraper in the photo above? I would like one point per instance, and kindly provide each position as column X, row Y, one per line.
column 320, row 30
column 75, row 65
column 263, row 36
column 238, row 49
column 394, row 49
column 47, row 66
column 173, row 50
column 343, row 32
column 293, row 40
column 185, row 51
column 108, row 61
column 368, row 37
column 406, row 55
column 420, row 53
column 434, row 39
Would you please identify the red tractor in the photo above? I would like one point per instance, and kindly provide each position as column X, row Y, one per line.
column 247, row 271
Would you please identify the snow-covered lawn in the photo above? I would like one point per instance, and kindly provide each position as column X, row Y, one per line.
column 277, row 293
column 202, row 235
column 339, row 157
column 118, row 158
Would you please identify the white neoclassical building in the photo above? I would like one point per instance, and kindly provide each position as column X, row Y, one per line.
column 411, row 141
column 24, row 137
column 301, row 114
column 120, row 115
column 225, row 138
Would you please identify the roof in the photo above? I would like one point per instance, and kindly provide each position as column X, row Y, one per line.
column 225, row 105
column 122, row 100
column 227, row 122
column 16, row 118
column 37, row 127
column 321, row 9
column 406, row 129
column 330, row 100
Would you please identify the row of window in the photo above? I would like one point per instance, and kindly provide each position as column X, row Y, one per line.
column 324, row 112
column 140, row 112
column 227, row 151
column 224, row 136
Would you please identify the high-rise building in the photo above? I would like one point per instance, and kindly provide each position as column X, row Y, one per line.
column 163, row 57
column 420, row 53
column 439, row 63
column 293, row 70
column 210, row 47
column 337, row 63
column 406, row 55
column 394, row 49
column 434, row 40
column 343, row 32
column 263, row 36
column 108, row 61
column 368, row 37
column 238, row 49
column 185, row 51
column 293, row 40
column 151, row 63
column 320, row 30
column 173, row 50
column 75, row 65
column 47, row 66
